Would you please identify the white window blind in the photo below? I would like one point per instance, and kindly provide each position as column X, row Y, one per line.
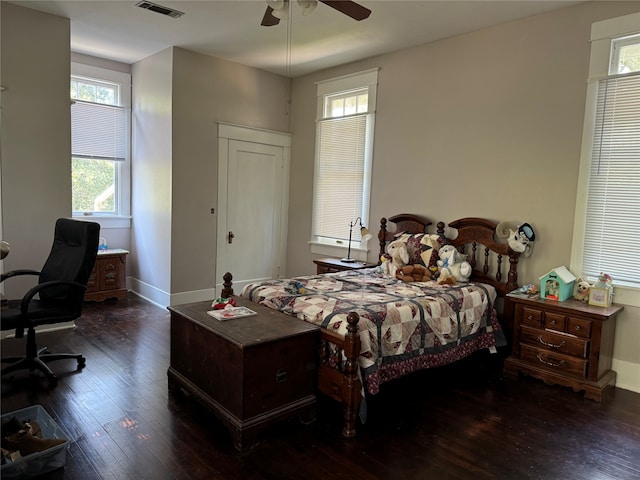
column 339, row 176
column 612, row 227
column 98, row 131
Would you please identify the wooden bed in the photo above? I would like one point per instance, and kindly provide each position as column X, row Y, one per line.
column 339, row 374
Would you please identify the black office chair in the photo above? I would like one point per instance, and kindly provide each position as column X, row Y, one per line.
column 60, row 291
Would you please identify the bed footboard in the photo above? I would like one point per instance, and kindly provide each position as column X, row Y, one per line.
column 337, row 365
column 338, row 371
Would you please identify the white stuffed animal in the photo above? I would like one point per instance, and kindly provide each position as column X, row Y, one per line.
column 453, row 264
column 519, row 237
column 397, row 250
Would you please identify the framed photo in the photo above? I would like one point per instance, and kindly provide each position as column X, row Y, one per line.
column 600, row 297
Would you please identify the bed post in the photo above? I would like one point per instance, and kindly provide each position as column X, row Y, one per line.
column 227, row 288
column 382, row 239
column 512, row 276
column 351, row 388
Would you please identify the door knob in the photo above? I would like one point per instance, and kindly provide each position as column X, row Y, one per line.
column 230, row 236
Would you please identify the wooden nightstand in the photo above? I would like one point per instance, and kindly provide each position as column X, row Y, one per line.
column 107, row 279
column 330, row 265
column 566, row 343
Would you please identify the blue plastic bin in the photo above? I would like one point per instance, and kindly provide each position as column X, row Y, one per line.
column 37, row 463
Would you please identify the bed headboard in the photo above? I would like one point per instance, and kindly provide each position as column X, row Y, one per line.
column 476, row 237
column 405, row 222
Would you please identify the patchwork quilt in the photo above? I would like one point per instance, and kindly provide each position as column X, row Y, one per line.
column 403, row 326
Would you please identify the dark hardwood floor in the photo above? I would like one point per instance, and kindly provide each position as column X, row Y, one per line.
column 457, row 422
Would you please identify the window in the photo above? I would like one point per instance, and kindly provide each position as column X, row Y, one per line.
column 100, row 139
column 608, row 204
column 344, row 152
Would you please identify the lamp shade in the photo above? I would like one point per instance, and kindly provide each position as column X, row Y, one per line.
column 280, row 8
column 366, row 235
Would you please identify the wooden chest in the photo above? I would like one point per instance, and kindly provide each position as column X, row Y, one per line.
column 251, row 371
column 567, row 343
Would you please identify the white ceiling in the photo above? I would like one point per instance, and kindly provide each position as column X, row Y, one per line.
column 118, row 30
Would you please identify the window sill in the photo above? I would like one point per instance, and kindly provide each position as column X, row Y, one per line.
column 338, row 252
column 624, row 295
column 106, row 222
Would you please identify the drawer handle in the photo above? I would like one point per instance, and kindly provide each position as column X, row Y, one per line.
column 551, row 364
column 577, row 328
column 530, row 317
column 560, row 345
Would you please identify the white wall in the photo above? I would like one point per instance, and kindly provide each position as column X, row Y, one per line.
column 179, row 97
column 35, row 138
column 150, row 257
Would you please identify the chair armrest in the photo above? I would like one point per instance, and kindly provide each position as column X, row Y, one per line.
column 24, row 321
column 17, row 273
column 26, row 300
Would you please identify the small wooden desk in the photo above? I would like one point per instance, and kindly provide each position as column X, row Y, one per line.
column 250, row 372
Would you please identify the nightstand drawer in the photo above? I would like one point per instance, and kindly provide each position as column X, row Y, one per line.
column 556, row 362
column 532, row 317
column 554, row 321
column 555, row 342
column 579, row 327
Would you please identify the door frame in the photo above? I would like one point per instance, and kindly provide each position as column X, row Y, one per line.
column 226, row 133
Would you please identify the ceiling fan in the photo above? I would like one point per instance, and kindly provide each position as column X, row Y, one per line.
column 279, row 9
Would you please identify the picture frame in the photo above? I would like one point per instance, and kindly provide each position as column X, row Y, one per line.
column 600, row 297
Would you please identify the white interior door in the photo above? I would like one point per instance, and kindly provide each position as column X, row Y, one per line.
column 253, row 187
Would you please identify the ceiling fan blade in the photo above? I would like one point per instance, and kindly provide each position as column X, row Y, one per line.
column 269, row 19
column 349, row 8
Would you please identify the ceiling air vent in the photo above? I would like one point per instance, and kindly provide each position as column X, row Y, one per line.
column 154, row 7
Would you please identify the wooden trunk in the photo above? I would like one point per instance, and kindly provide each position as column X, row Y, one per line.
column 251, row 371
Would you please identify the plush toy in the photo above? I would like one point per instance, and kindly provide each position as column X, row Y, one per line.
column 519, row 237
column 453, row 264
column 604, row 281
column 295, row 288
column 581, row 290
column 397, row 250
column 446, row 278
column 414, row 273
column 383, row 266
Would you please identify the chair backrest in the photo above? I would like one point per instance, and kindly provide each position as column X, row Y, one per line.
column 72, row 257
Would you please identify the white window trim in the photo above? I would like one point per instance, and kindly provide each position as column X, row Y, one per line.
column 368, row 78
column 602, row 34
column 123, row 219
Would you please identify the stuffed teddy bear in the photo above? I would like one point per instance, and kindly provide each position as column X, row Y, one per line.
column 397, row 250
column 453, row 264
column 581, row 290
column 414, row 273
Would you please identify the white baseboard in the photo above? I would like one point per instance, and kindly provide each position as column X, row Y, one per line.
column 628, row 375
column 148, row 292
column 164, row 299
column 41, row 329
column 193, row 296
